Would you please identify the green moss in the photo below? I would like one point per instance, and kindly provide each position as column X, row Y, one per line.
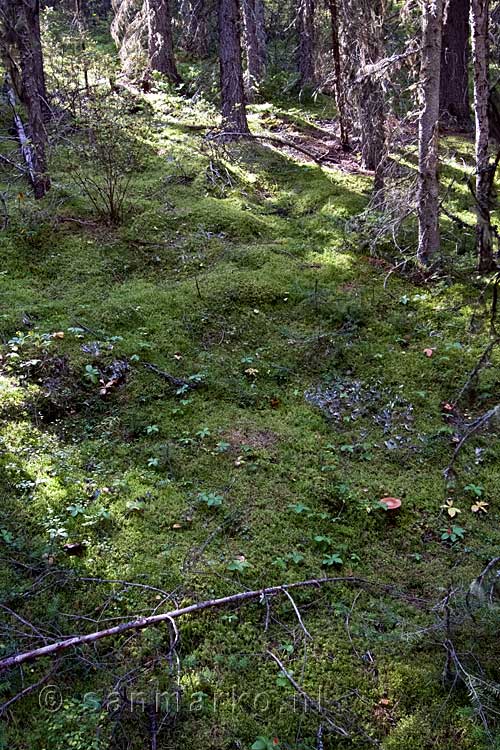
column 255, row 291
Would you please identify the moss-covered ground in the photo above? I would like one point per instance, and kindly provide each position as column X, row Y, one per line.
column 309, row 396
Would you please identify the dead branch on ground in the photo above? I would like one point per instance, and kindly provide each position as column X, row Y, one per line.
column 142, row 623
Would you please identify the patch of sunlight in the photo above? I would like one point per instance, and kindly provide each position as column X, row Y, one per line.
column 263, row 107
column 332, row 256
column 462, row 167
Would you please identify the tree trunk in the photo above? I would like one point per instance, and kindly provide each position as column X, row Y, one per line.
column 306, row 43
column 255, row 43
column 234, row 118
column 196, row 29
column 34, row 91
column 339, row 84
column 370, row 94
column 454, row 107
column 428, row 130
column 479, row 21
column 160, row 39
column 28, row 35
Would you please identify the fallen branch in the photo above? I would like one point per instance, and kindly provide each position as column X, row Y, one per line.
column 171, row 379
column 304, row 125
column 12, row 164
column 473, row 428
column 477, row 586
column 142, row 623
column 27, row 690
column 475, row 371
column 272, row 139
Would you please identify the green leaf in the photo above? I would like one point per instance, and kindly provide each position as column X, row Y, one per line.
column 323, row 541
column 475, row 489
column 6, row 536
column 295, row 557
column 333, row 559
column 238, row 566
column 210, row 499
column 298, row 508
column 91, row 373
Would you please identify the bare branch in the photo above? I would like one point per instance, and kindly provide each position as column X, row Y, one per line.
column 145, row 622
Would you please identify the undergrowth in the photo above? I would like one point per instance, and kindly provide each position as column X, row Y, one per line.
column 311, row 390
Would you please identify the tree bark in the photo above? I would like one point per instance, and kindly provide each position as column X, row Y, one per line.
column 255, row 43
column 454, row 105
column 339, row 84
column 196, row 28
column 428, row 130
column 21, row 21
column 34, row 91
column 234, row 118
column 306, row 66
column 160, row 39
column 370, row 94
column 479, row 21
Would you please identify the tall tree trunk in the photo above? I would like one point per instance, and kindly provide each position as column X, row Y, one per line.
column 454, row 105
column 339, row 84
column 196, row 29
column 255, row 43
column 306, row 43
column 234, row 118
column 160, row 39
column 370, row 94
column 29, row 36
column 428, row 130
column 34, row 91
column 479, row 21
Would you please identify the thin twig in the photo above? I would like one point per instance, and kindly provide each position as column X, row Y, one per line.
column 473, row 428
column 307, row 698
column 476, row 369
column 299, row 618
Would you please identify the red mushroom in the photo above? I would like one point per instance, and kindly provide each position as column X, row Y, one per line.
column 391, row 503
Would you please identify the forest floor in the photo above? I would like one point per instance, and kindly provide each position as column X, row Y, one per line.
column 314, row 383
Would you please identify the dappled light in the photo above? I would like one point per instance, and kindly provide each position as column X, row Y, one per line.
column 249, row 377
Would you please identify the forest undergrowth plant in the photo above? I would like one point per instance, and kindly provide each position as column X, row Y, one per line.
column 106, row 154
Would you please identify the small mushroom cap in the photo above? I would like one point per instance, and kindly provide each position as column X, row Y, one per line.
column 391, row 503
